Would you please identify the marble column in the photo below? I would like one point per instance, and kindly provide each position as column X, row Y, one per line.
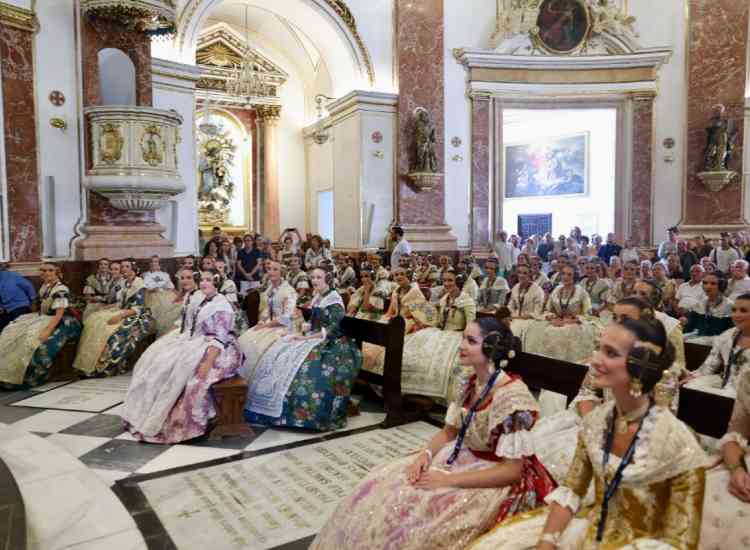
column 17, row 28
column 481, row 125
column 268, row 118
column 716, row 75
column 420, row 54
column 642, row 169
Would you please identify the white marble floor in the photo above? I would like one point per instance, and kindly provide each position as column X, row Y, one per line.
column 68, row 460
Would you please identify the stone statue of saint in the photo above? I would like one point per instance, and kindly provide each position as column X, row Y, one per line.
column 720, row 134
column 425, row 142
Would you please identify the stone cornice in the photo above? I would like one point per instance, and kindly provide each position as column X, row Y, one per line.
column 472, row 58
column 18, row 18
column 175, row 70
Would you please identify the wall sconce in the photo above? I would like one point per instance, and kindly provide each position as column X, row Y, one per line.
column 59, row 123
column 457, row 158
column 320, row 135
column 669, row 144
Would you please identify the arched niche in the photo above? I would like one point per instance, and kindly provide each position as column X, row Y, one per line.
column 116, row 77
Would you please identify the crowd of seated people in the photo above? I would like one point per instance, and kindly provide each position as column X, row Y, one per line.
column 515, row 471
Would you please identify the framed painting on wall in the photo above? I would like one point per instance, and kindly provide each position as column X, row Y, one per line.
column 563, row 26
column 548, row 167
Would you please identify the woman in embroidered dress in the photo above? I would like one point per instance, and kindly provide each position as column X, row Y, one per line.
column 367, row 302
column 277, row 307
column 526, row 302
column 729, row 355
column 567, row 332
column 29, row 345
column 407, row 301
column 667, row 287
column 647, row 467
column 306, row 381
column 493, row 292
column 344, row 274
column 712, row 317
column 595, row 287
column 228, row 289
column 728, row 486
column 316, row 253
column 478, row 469
column 624, row 286
column 111, row 336
column 427, row 274
column 169, row 398
column 557, row 433
column 96, row 289
column 161, row 298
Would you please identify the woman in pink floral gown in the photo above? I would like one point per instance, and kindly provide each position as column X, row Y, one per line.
column 169, row 398
column 481, row 468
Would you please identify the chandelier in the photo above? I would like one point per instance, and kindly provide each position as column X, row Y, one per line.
column 245, row 80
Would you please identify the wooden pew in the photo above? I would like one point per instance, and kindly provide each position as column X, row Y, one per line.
column 707, row 413
column 695, row 355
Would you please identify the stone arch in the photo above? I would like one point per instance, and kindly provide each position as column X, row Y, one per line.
column 347, row 56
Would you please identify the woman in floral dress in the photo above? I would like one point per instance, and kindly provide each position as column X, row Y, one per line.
column 479, row 469
column 161, row 298
column 30, row 344
column 647, row 467
column 111, row 336
column 169, row 398
column 305, row 381
column 96, row 288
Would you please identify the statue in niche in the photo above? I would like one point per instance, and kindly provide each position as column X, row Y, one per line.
column 216, row 189
column 721, row 134
column 425, row 142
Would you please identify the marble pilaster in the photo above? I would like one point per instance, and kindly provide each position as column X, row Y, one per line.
column 642, row 169
column 21, row 163
column 718, row 37
column 268, row 117
column 420, row 54
column 481, row 126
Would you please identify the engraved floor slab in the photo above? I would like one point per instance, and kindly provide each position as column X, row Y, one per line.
column 93, row 395
column 267, row 501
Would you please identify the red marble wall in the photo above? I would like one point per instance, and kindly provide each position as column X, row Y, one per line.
column 96, row 36
column 480, row 171
column 419, row 35
column 17, row 65
column 716, row 74
column 104, row 34
column 643, row 166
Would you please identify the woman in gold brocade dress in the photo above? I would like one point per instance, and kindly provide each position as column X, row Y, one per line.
column 478, row 469
column 405, row 302
column 647, row 467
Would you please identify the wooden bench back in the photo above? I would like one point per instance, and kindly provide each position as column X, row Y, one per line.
column 695, row 355
column 545, row 373
column 707, row 413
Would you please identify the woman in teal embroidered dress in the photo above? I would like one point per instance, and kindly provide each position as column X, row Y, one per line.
column 30, row 344
column 305, row 381
column 111, row 336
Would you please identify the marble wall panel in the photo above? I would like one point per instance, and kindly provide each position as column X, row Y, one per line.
column 21, row 166
column 716, row 74
column 419, row 30
column 643, row 166
column 480, row 171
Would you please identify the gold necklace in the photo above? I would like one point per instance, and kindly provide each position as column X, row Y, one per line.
column 623, row 419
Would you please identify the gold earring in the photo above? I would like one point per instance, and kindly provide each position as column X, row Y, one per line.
column 636, row 388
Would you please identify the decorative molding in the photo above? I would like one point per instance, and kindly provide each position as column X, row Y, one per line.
column 175, row 70
column 474, row 58
column 151, row 17
column 268, row 113
column 18, row 18
column 352, row 103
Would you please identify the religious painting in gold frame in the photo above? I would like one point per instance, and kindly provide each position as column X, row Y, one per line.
column 563, row 26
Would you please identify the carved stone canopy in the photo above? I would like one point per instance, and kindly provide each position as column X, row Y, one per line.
column 220, row 51
column 152, row 17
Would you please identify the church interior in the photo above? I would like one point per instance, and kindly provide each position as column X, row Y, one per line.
column 374, row 274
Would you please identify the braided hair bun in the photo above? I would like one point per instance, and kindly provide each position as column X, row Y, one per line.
column 651, row 355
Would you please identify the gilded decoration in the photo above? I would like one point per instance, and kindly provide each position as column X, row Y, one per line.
column 268, row 113
column 18, row 18
column 152, row 146
column 216, row 188
column 110, row 143
column 151, row 17
column 220, row 53
column 564, row 27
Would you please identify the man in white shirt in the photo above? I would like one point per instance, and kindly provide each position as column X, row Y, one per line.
column 504, row 253
column 670, row 245
column 690, row 294
column 724, row 256
column 739, row 283
column 402, row 247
